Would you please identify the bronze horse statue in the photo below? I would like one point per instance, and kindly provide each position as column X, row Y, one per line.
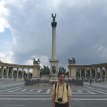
column 71, row 61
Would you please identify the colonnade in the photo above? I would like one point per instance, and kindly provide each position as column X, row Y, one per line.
column 19, row 71
column 94, row 71
column 10, row 72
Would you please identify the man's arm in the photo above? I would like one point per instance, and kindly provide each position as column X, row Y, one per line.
column 53, row 96
column 69, row 96
column 53, row 101
column 69, row 101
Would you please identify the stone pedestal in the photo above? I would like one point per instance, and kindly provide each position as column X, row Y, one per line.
column 72, row 73
column 36, row 71
column 53, row 77
column 53, row 74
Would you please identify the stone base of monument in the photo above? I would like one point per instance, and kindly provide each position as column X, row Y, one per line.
column 53, row 77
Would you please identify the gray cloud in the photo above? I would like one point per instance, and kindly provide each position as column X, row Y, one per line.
column 81, row 30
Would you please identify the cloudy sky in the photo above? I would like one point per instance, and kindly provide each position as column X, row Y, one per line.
column 25, row 31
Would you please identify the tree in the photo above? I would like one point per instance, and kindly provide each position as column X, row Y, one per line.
column 45, row 71
column 62, row 70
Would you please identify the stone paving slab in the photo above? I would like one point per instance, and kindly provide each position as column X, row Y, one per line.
column 97, row 84
column 9, row 84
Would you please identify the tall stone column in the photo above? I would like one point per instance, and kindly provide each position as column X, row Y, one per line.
column 54, row 61
column 2, row 69
column 22, row 73
column 105, row 73
column 7, row 73
column 85, row 73
column 17, row 73
column 80, row 74
column 28, row 73
column 12, row 74
column 90, row 73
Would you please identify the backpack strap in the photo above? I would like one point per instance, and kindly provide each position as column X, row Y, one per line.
column 55, row 86
column 55, row 89
column 67, row 86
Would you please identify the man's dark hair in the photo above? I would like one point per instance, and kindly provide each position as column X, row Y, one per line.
column 60, row 73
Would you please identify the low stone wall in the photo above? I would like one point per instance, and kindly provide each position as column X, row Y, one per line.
column 38, row 81
column 75, row 82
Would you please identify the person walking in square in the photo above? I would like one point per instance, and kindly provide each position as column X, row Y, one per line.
column 90, row 81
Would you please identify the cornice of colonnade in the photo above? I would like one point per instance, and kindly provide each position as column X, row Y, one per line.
column 88, row 66
column 18, row 65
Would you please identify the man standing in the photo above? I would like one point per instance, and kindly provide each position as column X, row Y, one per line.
column 61, row 93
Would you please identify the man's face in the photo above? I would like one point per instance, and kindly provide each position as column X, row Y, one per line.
column 61, row 78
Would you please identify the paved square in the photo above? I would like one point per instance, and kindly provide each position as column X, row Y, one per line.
column 22, row 96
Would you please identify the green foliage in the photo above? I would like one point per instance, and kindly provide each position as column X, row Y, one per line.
column 45, row 71
column 62, row 70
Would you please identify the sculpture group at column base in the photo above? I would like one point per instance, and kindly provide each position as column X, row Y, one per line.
column 53, row 77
